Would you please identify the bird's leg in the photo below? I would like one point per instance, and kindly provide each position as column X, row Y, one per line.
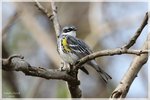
column 65, row 66
column 62, row 66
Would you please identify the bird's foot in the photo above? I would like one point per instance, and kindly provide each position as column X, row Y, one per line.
column 65, row 67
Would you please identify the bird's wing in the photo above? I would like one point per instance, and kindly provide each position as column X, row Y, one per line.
column 78, row 47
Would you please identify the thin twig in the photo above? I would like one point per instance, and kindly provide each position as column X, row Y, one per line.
column 53, row 16
column 55, row 19
column 137, row 33
column 44, row 10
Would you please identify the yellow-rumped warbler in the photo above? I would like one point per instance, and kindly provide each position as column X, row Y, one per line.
column 71, row 49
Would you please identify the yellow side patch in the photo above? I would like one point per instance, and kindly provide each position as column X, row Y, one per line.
column 65, row 44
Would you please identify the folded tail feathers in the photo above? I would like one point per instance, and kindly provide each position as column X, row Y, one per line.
column 84, row 70
column 102, row 73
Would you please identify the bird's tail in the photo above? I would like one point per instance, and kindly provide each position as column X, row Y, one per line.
column 104, row 75
column 101, row 72
column 84, row 70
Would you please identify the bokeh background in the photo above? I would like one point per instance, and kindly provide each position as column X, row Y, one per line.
column 103, row 25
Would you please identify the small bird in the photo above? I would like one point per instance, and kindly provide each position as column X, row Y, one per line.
column 71, row 49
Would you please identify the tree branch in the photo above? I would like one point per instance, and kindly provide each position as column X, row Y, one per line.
column 123, row 88
column 137, row 33
column 17, row 63
column 53, row 17
column 112, row 52
column 42, row 9
column 74, row 89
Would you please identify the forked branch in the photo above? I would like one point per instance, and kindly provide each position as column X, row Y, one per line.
column 123, row 88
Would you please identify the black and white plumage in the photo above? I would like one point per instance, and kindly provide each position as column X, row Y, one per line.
column 71, row 49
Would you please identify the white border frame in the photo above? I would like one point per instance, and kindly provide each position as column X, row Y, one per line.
column 70, row 1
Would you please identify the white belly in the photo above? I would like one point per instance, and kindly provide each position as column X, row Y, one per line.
column 69, row 57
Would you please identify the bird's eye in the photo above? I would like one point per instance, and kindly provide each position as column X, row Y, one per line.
column 65, row 30
column 69, row 29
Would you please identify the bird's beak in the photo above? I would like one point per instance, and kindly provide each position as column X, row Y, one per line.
column 74, row 29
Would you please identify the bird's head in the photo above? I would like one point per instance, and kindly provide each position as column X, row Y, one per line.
column 69, row 30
